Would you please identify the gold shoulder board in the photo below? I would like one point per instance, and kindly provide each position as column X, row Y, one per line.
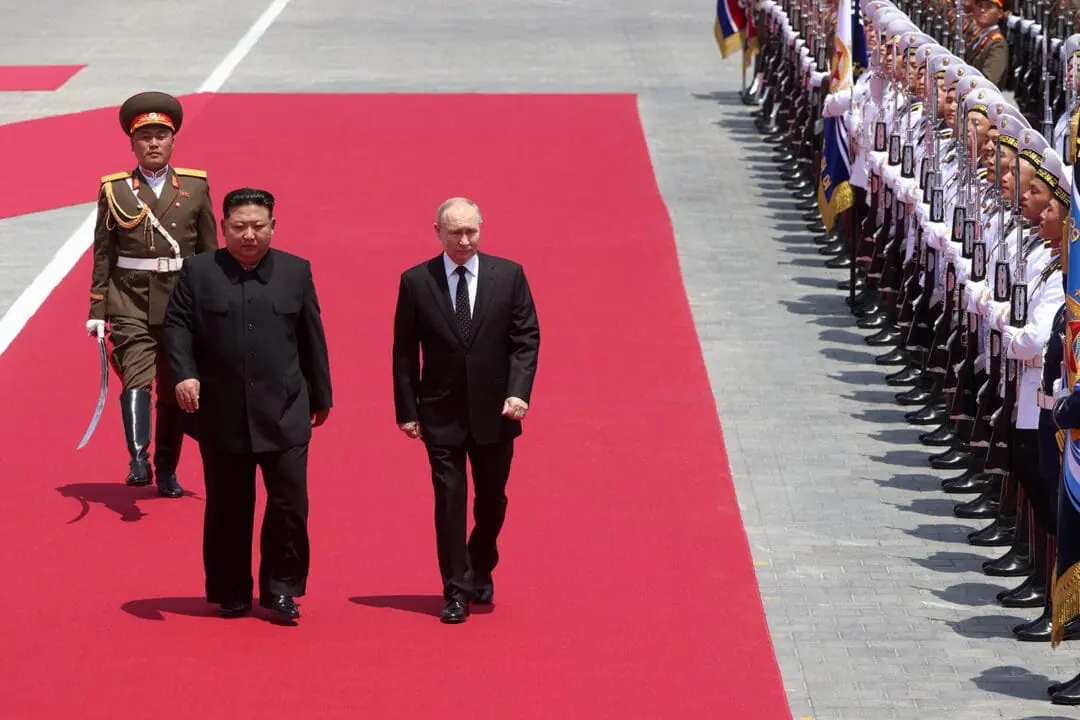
column 115, row 176
column 188, row 172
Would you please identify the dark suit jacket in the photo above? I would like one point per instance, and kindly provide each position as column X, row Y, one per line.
column 460, row 390
column 255, row 342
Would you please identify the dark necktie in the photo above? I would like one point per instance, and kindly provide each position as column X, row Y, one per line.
column 461, row 303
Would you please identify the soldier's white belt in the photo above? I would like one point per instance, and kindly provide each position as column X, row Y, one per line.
column 1046, row 402
column 161, row 264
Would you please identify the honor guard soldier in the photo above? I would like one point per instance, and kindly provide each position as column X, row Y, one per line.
column 149, row 220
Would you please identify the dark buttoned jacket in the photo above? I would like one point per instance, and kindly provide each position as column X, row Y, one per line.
column 255, row 341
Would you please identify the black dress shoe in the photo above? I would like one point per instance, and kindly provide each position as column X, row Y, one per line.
column 485, row 593
column 235, row 608
column 943, row 436
column 888, row 336
column 455, row 612
column 914, row 396
column 840, row 262
column 168, row 485
column 929, row 415
column 907, row 376
column 281, row 605
column 864, row 309
column 896, row 356
column 872, row 322
column 970, row 483
column 952, row 460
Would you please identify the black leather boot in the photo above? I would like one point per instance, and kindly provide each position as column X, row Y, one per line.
column 1017, row 561
column 1033, row 591
column 983, row 507
column 1039, row 629
column 1000, row 533
column 168, row 440
column 1066, row 693
column 135, row 413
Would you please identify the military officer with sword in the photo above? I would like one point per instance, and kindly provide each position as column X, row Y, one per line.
column 149, row 220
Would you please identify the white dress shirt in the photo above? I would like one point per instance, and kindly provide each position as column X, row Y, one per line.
column 472, row 270
column 155, row 181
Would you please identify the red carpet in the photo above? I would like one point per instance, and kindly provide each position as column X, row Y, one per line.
column 626, row 588
column 35, row 78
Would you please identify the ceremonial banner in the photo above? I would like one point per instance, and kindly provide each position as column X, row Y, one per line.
column 835, row 194
column 729, row 27
column 1066, row 582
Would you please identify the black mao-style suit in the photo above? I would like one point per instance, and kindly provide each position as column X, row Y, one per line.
column 455, row 386
column 254, row 339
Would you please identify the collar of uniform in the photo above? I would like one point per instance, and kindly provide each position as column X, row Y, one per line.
column 472, row 265
column 261, row 272
column 151, row 176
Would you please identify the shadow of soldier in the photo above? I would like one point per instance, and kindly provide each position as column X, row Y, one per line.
column 422, row 604
column 1015, row 682
column 119, row 498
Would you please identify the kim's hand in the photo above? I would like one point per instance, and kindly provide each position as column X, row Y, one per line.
column 515, row 408
column 412, row 429
column 319, row 417
column 187, row 394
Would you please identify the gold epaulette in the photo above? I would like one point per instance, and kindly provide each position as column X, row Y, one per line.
column 188, row 172
column 115, row 176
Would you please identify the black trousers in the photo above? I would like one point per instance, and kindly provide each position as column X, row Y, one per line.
column 1050, row 465
column 466, row 564
column 230, row 520
column 1026, row 467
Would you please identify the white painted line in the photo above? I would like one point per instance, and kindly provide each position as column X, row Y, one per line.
column 35, row 294
column 225, row 68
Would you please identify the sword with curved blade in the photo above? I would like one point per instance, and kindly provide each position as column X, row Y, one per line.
column 102, row 394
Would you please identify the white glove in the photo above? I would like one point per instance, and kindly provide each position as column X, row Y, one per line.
column 1000, row 318
column 95, row 327
column 937, row 236
column 1008, row 334
column 1060, row 392
column 950, row 252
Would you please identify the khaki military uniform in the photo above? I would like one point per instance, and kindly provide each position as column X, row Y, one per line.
column 135, row 266
column 989, row 54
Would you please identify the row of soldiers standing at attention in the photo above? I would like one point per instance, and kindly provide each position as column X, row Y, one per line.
column 952, row 214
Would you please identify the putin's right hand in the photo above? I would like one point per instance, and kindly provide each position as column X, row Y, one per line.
column 412, row 429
